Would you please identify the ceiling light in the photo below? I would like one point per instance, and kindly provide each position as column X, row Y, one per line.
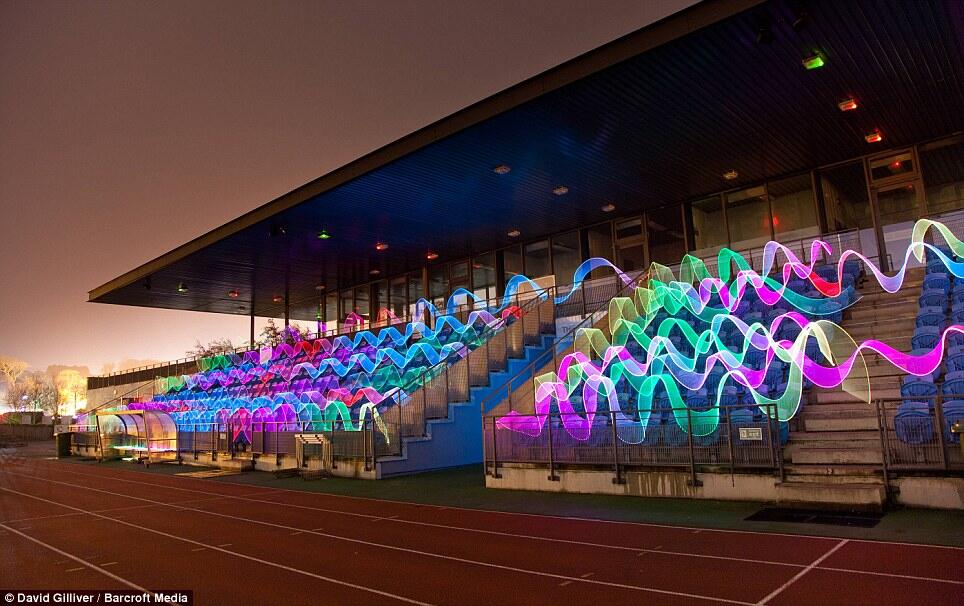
column 375, row 272
column 814, row 61
column 502, row 169
column 182, row 287
column 608, row 208
column 277, row 299
column 560, row 190
column 874, row 137
column 380, row 246
column 233, row 294
column 320, row 287
column 848, row 105
column 324, row 235
column 515, row 233
column 730, row 175
column 431, row 255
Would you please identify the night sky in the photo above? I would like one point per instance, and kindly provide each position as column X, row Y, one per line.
column 128, row 128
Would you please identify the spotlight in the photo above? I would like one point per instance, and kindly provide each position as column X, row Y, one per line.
column 608, row 208
column 848, row 105
column 730, row 175
column 380, row 246
column 815, row 60
column 277, row 299
column 182, row 287
column 375, row 272
column 515, row 233
column 233, row 294
column 502, row 169
column 560, row 190
column 874, row 136
column 431, row 255
column 324, row 235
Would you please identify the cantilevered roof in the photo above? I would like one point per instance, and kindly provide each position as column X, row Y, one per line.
column 650, row 119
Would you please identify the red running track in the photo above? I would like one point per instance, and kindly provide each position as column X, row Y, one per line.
column 74, row 526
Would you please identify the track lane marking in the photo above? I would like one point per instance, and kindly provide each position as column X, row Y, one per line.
column 377, row 545
column 396, row 519
column 800, row 574
column 192, row 541
column 69, row 556
column 511, row 513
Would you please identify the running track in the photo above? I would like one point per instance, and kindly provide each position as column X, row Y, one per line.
column 70, row 526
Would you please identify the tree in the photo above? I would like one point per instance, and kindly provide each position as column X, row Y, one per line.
column 33, row 391
column 71, row 387
column 215, row 347
column 11, row 368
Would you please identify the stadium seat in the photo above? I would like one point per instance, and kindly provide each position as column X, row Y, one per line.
column 933, row 297
column 937, row 281
column 925, row 318
column 953, row 386
column 953, row 413
column 913, row 423
column 925, row 337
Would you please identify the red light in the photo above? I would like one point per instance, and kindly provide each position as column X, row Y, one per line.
column 847, row 105
column 874, row 137
column 380, row 246
column 234, row 294
column 895, row 166
column 277, row 298
column 776, row 221
column 431, row 256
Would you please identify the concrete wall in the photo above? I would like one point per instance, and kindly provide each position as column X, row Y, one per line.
column 674, row 484
column 935, row 493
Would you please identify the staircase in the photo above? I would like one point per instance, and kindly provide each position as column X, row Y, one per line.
column 451, row 402
column 834, row 453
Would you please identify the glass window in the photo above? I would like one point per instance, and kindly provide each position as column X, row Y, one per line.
column 794, row 213
column 512, row 258
column 630, row 245
column 667, row 242
column 363, row 303
column 537, row 259
column 709, row 229
column 380, row 301
column 438, row 287
column 886, row 169
column 601, row 241
column 847, row 206
column 415, row 292
column 566, row 256
column 747, row 218
column 346, row 304
column 331, row 311
column 942, row 169
column 483, row 276
column 397, row 297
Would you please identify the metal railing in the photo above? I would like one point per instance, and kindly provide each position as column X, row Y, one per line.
column 618, row 441
column 922, row 440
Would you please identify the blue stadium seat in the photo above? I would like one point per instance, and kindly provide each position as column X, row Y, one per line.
column 933, row 297
column 953, row 413
column 925, row 337
column 954, row 360
column 937, row 281
column 925, row 318
column 953, row 386
column 918, row 389
column 913, row 423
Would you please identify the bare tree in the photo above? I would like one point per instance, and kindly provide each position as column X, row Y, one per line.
column 11, row 368
column 33, row 391
column 214, row 348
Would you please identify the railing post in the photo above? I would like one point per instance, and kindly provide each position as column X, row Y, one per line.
column 777, row 444
column 194, row 441
column 214, row 441
column 729, row 441
column 884, row 450
column 365, row 444
column 584, row 304
column 552, row 469
column 618, row 479
column 277, row 446
column 495, row 451
column 939, row 421
column 694, row 481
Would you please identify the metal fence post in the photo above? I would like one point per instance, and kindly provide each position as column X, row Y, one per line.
column 495, row 451
column 689, row 435
column 884, row 450
column 939, row 421
column 775, row 440
column 552, row 470
column 618, row 479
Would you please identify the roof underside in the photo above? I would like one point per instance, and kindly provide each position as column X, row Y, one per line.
column 638, row 123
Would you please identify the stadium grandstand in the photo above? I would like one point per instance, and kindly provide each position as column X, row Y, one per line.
column 719, row 257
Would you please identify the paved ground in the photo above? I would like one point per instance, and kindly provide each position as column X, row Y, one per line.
column 248, row 540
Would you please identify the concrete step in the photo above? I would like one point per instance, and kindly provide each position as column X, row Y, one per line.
column 843, row 422
column 867, row 442
column 851, row 472
column 881, row 389
column 836, row 454
column 832, row 495
column 832, row 435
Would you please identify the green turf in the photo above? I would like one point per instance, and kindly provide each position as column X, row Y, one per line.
column 465, row 487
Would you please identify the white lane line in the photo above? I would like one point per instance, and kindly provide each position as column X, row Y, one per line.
column 564, row 583
column 74, row 569
column 199, row 549
column 69, row 556
column 797, row 576
column 108, row 564
column 587, row 575
column 480, row 530
column 377, row 545
column 495, row 511
column 230, row 553
column 110, row 509
column 891, row 574
column 224, row 545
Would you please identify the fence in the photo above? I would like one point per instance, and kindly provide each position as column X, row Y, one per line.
column 16, row 432
column 611, row 440
column 922, row 438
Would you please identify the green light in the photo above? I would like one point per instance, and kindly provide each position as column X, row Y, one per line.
column 814, row 61
column 324, row 235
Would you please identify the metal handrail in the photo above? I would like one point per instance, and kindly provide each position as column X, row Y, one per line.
column 118, row 398
column 530, row 367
